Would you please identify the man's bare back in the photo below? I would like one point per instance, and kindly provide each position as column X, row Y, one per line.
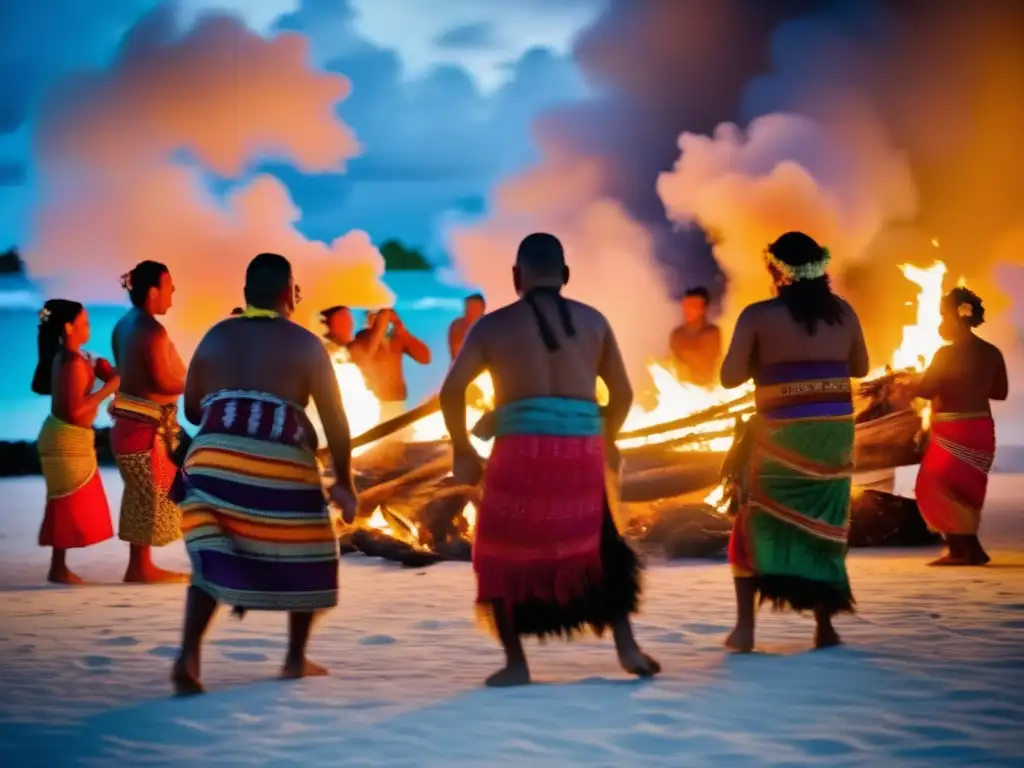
column 149, row 365
column 766, row 333
column 521, row 366
column 963, row 377
column 274, row 356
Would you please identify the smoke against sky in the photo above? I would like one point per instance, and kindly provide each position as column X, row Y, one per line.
column 840, row 184
column 610, row 255
column 124, row 155
column 878, row 125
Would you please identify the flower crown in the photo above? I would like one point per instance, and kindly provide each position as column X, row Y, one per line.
column 790, row 274
column 126, row 281
column 44, row 315
column 965, row 309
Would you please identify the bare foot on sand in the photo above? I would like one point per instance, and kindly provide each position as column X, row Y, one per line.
column 155, row 575
column 826, row 637
column 638, row 663
column 950, row 559
column 296, row 670
column 185, row 678
column 740, row 640
column 510, row 676
column 66, row 577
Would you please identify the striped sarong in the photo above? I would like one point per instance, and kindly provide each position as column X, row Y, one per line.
column 77, row 513
column 953, row 479
column 792, row 525
column 254, row 515
column 545, row 544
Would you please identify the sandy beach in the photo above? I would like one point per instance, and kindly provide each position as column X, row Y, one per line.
column 931, row 674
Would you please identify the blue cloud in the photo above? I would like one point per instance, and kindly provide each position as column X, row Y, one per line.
column 13, row 173
column 475, row 35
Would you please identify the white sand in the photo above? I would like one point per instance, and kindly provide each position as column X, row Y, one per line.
column 932, row 675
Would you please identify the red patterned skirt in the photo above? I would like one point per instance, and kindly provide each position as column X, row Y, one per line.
column 546, row 547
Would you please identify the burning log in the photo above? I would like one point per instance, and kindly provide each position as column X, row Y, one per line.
column 879, row 519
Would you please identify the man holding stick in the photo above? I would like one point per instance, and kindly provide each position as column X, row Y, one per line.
column 547, row 555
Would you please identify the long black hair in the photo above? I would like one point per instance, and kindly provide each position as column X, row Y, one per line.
column 55, row 315
column 808, row 298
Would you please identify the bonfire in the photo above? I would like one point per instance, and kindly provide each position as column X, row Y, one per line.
column 411, row 509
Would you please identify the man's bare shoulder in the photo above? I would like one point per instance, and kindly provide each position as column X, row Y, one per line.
column 589, row 314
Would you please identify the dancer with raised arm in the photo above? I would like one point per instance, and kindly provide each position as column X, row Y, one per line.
column 789, row 539
column 257, row 526
column 547, row 555
column 77, row 514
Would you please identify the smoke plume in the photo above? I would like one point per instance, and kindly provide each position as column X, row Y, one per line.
column 840, row 184
column 880, row 126
column 126, row 157
column 610, row 255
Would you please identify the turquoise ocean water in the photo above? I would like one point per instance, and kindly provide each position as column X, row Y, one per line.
column 426, row 305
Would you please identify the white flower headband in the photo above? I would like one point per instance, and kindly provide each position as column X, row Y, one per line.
column 790, row 274
column 965, row 309
column 44, row 315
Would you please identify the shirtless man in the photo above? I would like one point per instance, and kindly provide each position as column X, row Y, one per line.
column 145, row 432
column 382, row 366
column 801, row 348
column 696, row 345
column 544, row 526
column 960, row 383
column 475, row 306
column 256, row 524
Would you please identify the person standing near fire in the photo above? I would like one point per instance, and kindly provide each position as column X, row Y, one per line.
column 145, row 432
column 379, row 351
column 696, row 345
column 790, row 536
column 961, row 380
column 546, row 552
column 257, row 526
column 474, row 308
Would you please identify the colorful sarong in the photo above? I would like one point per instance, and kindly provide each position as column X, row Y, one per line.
column 143, row 440
column 255, row 519
column 953, row 478
column 792, row 525
column 77, row 513
column 545, row 543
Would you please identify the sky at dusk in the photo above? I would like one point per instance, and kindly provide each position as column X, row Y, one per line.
column 666, row 142
column 443, row 94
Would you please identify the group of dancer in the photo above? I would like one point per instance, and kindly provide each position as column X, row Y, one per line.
column 548, row 556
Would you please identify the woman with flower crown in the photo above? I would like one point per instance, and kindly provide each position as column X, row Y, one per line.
column 77, row 514
column 801, row 348
column 961, row 380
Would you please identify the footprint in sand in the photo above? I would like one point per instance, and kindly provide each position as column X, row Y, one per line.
column 248, row 642
column 164, row 651
column 1012, row 623
column 95, row 663
column 432, row 625
column 706, row 629
column 377, row 640
column 245, row 656
column 124, row 641
column 670, row 637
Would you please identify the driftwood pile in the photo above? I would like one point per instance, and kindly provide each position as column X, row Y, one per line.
column 408, row 486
